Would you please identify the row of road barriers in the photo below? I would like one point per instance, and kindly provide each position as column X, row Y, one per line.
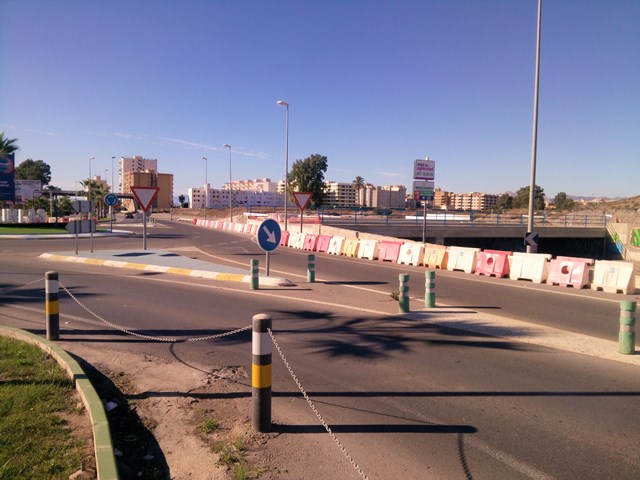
column 576, row 272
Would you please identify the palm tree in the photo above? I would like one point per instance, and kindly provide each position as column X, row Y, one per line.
column 7, row 145
column 358, row 183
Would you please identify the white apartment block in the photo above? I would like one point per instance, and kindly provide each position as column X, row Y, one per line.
column 257, row 185
column 219, row 198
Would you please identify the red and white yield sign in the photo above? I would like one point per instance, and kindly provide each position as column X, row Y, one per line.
column 302, row 199
column 145, row 195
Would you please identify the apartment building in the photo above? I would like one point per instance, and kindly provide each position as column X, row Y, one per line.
column 149, row 178
column 390, row 196
column 477, row 201
column 134, row 164
column 338, row 194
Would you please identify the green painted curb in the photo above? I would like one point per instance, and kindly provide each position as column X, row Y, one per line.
column 105, row 459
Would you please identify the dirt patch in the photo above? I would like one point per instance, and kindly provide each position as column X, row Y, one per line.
column 169, row 420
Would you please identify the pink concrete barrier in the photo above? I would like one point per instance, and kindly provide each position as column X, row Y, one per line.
column 389, row 251
column 493, row 263
column 569, row 271
column 323, row 243
column 310, row 242
column 284, row 238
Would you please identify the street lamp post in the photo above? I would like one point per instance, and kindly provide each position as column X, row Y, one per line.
column 226, row 145
column 534, row 142
column 206, row 186
column 286, row 161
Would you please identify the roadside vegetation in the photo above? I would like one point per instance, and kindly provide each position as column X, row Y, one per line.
column 39, row 416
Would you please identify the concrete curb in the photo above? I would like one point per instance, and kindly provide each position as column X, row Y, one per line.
column 106, row 467
column 221, row 276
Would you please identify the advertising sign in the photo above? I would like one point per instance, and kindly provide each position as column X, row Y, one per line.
column 423, row 190
column 7, row 178
column 424, row 169
column 28, row 189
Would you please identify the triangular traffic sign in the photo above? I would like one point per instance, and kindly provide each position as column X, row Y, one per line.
column 302, row 199
column 145, row 195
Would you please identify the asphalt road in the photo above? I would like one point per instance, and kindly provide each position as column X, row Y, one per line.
column 407, row 398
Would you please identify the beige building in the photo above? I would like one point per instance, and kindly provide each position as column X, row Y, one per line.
column 149, row 178
column 390, row 196
column 477, row 201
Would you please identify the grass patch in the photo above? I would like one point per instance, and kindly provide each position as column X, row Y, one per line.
column 35, row 395
column 209, row 425
column 31, row 231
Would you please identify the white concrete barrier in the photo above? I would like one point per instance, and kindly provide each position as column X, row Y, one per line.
column 293, row 239
column 462, row 258
column 368, row 249
column 300, row 241
column 529, row 266
column 613, row 276
column 411, row 254
column 336, row 245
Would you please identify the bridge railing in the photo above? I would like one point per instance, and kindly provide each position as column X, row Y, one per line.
column 355, row 216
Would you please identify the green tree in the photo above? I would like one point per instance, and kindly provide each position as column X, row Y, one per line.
column 521, row 200
column 504, row 202
column 181, row 200
column 562, row 202
column 95, row 192
column 359, row 184
column 7, row 145
column 308, row 176
column 34, row 170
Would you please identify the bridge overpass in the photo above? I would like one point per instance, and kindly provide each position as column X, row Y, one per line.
column 560, row 236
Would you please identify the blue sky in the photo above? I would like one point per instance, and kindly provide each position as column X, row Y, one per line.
column 372, row 85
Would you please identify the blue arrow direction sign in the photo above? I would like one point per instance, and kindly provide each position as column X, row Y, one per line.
column 269, row 235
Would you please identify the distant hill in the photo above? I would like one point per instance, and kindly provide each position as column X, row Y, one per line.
column 631, row 203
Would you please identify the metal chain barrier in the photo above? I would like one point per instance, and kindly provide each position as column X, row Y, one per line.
column 25, row 285
column 147, row 337
column 315, row 410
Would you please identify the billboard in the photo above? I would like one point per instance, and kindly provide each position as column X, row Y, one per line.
column 7, row 178
column 27, row 189
column 424, row 169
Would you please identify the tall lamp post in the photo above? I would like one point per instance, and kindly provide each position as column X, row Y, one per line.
column 286, row 161
column 206, row 186
column 534, row 142
column 226, row 145
column 90, row 158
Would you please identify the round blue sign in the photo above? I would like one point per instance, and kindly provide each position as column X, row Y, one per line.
column 269, row 235
column 110, row 199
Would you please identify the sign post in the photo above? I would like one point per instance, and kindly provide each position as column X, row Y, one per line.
column 302, row 200
column 145, row 197
column 424, row 175
column 111, row 200
column 82, row 226
column 268, row 237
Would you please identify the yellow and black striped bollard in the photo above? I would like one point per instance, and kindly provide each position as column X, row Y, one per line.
column 261, row 349
column 52, row 306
